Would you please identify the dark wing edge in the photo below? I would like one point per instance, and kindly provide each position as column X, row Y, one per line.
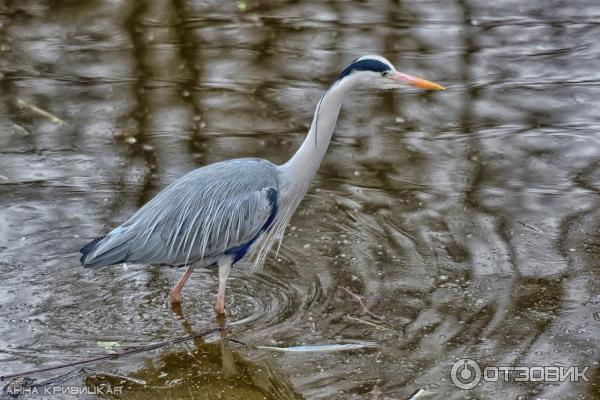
column 88, row 248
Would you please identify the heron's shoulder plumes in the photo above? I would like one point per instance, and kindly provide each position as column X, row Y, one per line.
column 200, row 216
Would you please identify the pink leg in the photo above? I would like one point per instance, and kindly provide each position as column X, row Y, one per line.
column 221, row 300
column 224, row 269
column 175, row 294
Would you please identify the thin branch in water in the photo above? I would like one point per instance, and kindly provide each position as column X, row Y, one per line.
column 362, row 303
column 112, row 356
column 374, row 325
column 39, row 111
column 114, row 375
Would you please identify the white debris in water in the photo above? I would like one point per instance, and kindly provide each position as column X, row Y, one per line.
column 322, row 347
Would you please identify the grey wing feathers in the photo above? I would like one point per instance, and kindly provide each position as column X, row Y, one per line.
column 201, row 215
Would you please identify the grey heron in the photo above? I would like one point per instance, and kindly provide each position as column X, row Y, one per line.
column 224, row 211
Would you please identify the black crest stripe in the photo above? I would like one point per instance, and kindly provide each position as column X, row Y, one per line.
column 364, row 65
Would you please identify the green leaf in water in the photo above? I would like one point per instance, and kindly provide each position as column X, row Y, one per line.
column 108, row 345
column 242, row 5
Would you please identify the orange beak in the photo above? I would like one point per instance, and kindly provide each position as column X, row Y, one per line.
column 416, row 82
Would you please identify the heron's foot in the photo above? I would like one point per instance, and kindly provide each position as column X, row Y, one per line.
column 221, row 320
column 175, row 296
column 177, row 310
column 221, row 313
column 221, row 310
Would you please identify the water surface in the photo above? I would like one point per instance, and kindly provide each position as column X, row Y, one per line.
column 468, row 219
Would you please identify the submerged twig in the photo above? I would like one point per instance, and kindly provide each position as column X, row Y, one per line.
column 362, row 303
column 39, row 111
column 374, row 325
column 114, row 355
column 113, row 375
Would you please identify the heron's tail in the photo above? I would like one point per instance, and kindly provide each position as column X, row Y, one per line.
column 88, row 248
column 103, row 251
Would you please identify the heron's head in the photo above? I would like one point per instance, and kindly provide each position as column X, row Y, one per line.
column 375, row 72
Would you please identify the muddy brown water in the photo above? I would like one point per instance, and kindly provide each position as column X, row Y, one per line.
column 468, row 219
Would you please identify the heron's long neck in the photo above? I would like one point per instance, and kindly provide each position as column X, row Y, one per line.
column 302, row 167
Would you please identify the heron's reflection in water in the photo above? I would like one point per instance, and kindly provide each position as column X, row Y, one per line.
column 207, row 371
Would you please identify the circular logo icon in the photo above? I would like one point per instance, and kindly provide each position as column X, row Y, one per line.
column 465, row 374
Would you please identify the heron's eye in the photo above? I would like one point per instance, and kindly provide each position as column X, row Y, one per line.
column 385, row 74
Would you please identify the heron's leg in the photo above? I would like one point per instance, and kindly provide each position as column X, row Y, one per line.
column 175, row 294
column 224, row 269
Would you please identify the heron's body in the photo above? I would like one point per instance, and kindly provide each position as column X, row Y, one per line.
column 219, row 213
column 169, row 229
